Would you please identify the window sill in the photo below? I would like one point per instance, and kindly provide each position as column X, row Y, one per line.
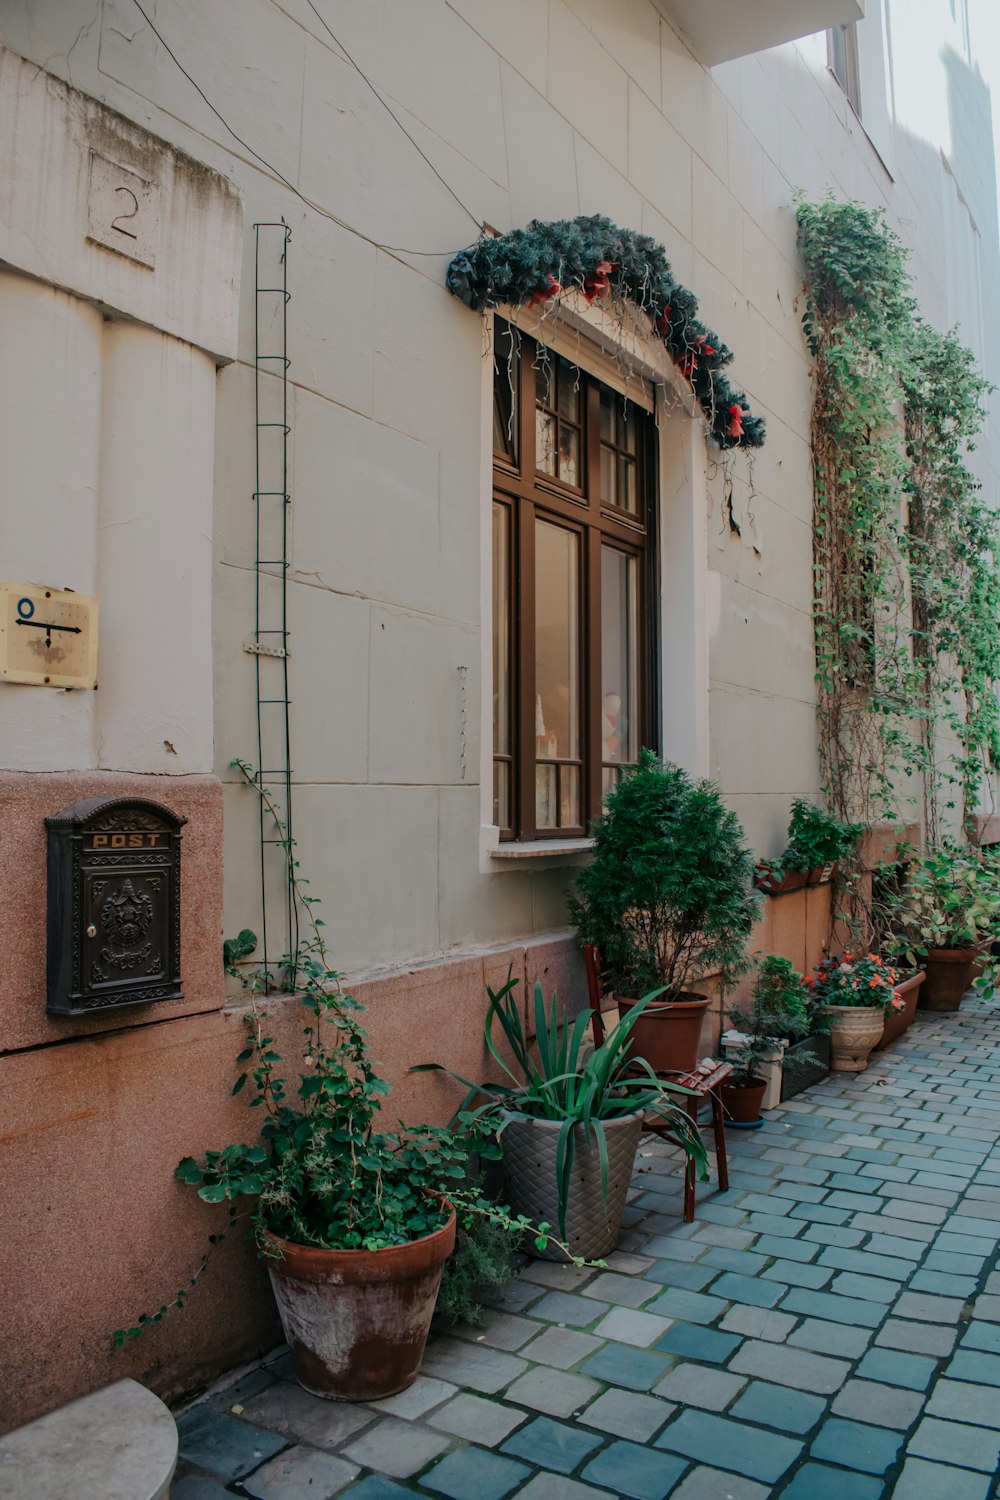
column 561, row 850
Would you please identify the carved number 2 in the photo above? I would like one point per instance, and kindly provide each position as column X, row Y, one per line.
column 116, row 223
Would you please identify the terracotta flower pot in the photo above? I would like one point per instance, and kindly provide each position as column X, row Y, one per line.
column 896, row 1021
column 593, row 1218
column 741, row 1101
column 357, row 1321
column 854, row 1031
column 822, row 873
column 774, row 883
column 949, row 975
column 667, row 1035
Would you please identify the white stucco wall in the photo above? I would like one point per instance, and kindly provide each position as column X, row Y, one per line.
column 543, row 108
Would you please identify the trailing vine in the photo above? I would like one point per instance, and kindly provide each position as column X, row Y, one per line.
column 906, row 550
column 592, row 256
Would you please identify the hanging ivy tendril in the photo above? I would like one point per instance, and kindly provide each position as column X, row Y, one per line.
column 533, row 267
column 906, row 550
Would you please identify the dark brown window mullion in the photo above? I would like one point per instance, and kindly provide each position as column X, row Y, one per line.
column 593, row 697
column 651, row 728
column 524, row 629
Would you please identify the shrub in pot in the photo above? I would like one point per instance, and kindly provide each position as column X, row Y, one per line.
column 854, row 993
column 816, row 843
column 777, row 1013
column 947, row 905
column 570, row 1117
column 667, row 898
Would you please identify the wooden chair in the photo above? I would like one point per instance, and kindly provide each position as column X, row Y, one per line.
column 704, row 1083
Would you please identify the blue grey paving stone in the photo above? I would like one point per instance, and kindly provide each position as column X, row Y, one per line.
column 954, row 1265
column 684, row 1250
column 619, row 1290
column 757, row 1323
column 640, row 1473
column 300, row 1474
column 832, row 1234
column 856, row 1445
column 558, row 1278
column 915, row 1213
column 309, row 1419
column 928, row 1309
column 775, row 1224
column 892, row 1367
column 712, row 1484
column 714, row 1440
column 793, row 1367
column 746, row 1262
column 985, row 1336
column 916, row 1338
column 554, row 1392
column 688, row 1341
column 889, row 1267
column 693, row 1307
column 777, row 1406
column 797, row 1192
column 477, row 1420
column 964, row 1245
column 628, row 1414
column 973, row 1447
column 869, row 1288
column 819, row 1482
column 920, row 1480
column 568, row 1308
column 375, row 1488
column 557, row 1487
column 834, row 1309
column 396, row 1447
column 222, row 1444
column 988, row 1308
column 944, row 1284
column 515, row 1297
column 561, row 1347
column 756, row 1202
column 500, row 1331
column 197, row 1487
column 801, row 1250
column 721, row 1234
column 881, row 1405
column 627, row 1263
column 474, row 1474
column 552, row 1445
column 698, row 1385
column 819, row 1213
column 903, row 1192
column 626, row 1325
column 635, row 1369
column 677, row 1273
column 422, row 1396
column 735, row 1288
column 720, row 1213
column 963, row 1402
column 897, row 1228
column 486, row 1370
column 979, row 1368
column 794, row 1273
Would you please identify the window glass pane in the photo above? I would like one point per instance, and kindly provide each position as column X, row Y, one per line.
column 627, row 426
column 545, row 442
column 626, row 484
column 609, row 476
column 569, row 391
column 569, row 796
column 619, row 659
column 557, row 631
column 545, row 795
column 569, row 454
column 501, row 629
column 607, row 415
column 501, row 793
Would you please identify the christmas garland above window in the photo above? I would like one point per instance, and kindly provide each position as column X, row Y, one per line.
column 533, row 266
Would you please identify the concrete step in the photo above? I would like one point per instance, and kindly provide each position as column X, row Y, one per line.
column 116, row 1444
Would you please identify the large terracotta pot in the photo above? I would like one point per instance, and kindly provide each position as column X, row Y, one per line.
column 741, row 1102
column 668, row 1034
column 357, row 1321
column 949, row 975
column 896, row 1021
column 593, row 1219
column 777, row 883
column 854, row 1030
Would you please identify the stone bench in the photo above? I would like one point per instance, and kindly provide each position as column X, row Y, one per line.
column 116, row 1444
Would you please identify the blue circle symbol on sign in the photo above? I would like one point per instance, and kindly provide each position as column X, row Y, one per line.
column 25, row 608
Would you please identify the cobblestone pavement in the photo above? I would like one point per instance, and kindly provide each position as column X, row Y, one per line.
column 829, row 1329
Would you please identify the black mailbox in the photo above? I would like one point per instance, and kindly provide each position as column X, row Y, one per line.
column 114, row 905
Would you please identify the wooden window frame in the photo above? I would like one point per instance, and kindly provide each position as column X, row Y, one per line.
column 530, row 495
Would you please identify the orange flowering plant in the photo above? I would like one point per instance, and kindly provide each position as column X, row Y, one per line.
column 856, row 979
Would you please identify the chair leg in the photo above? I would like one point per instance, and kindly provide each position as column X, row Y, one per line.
column 718, row 1125
column 692, row 1109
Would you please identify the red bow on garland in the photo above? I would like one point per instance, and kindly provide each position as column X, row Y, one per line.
column 597, row 283
column 662, row 324
column 688, row 363
column 736, row 415
column 549, row 289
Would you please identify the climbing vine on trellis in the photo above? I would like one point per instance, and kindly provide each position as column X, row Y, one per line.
column 906, row 549
column 534, row 267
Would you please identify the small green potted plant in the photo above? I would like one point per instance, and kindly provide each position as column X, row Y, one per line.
column 817, row 842
column 778, row 1012
column 668, row 900
column 570, row 1117
column 946, row 907
column 854, row 993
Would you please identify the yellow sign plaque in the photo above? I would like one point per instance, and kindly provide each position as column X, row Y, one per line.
column 47, row 636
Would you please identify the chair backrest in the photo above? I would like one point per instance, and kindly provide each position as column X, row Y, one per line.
column 595, row 989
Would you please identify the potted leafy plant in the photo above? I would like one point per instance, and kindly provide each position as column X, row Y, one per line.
column 855, row 993
column 816, row 843
column 777, row 1013
column 570, row 1117
column 667, row 899
column 947, row 905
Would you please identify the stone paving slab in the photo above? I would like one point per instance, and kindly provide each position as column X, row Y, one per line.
column 829, row 1329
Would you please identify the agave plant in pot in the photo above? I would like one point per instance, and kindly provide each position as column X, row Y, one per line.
column 668, row 900
column 854, row 993
column 570, row 1118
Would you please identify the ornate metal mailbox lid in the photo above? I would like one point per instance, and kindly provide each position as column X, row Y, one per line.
column 113, row 905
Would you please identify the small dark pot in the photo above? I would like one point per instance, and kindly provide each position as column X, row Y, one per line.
column 805, row 1063
column 775, row 883
column 741, row 1101
column 667, row 1034
column 896, row 1021
column 949, row 975
column 357, row 1321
